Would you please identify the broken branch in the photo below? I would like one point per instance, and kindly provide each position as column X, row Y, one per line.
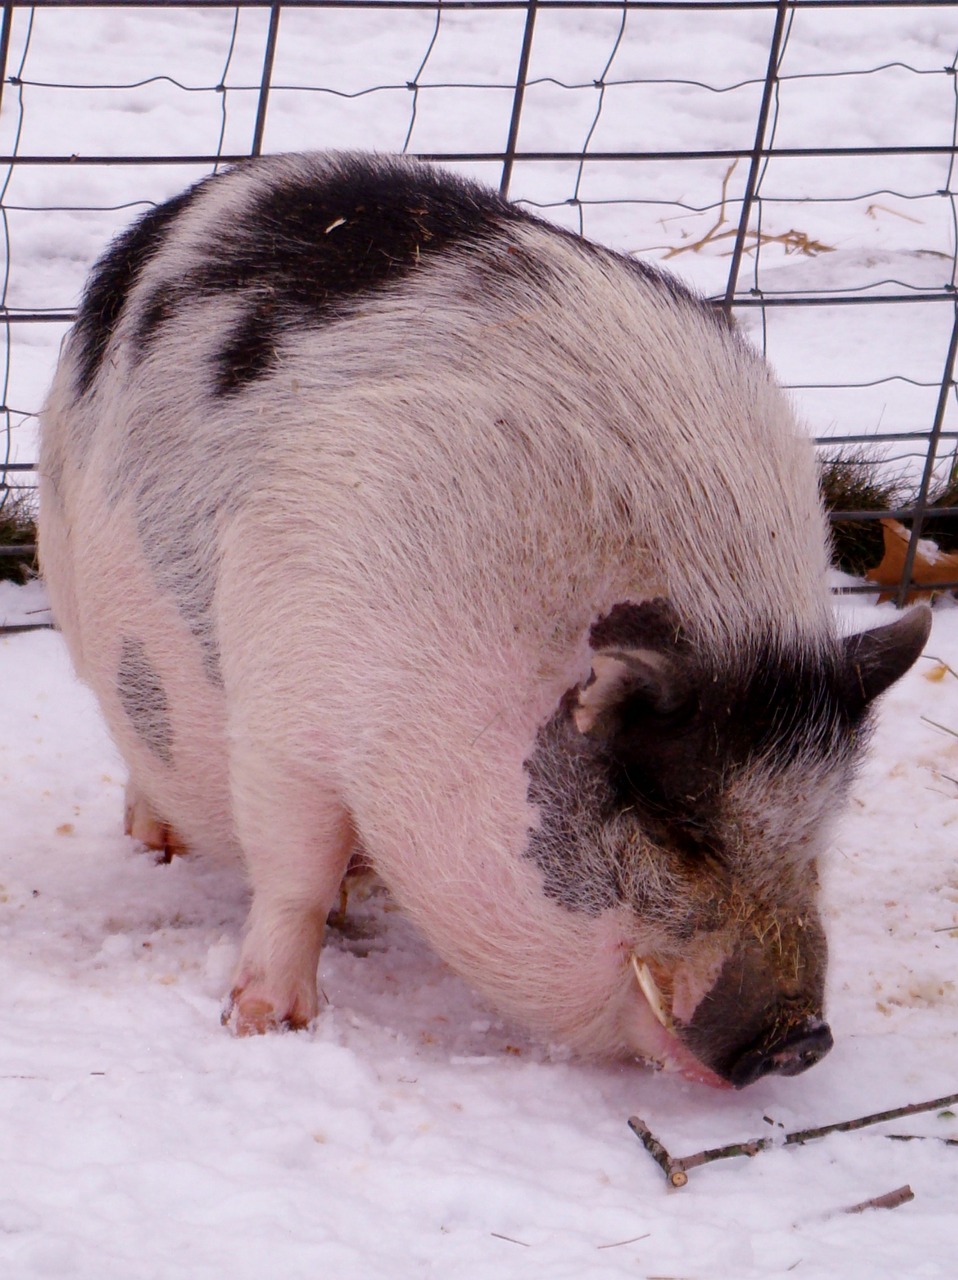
column 676, row 1167
column 846, row 1126
column 921, row 1137
column 890, row 1200
column 677, row 1176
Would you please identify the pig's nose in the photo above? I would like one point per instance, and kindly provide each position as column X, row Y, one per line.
column 788, row 1055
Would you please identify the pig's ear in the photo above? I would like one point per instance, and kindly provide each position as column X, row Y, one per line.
column 876, row 659
column 620, row 675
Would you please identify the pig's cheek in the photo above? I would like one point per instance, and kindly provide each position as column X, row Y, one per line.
column 657, row 1046
column 692, row 981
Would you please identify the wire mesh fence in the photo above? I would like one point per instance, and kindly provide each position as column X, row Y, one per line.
column 795, row 162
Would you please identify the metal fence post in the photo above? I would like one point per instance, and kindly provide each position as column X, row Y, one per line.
column 5, row 26
column 265, row 80
column 521, row 77
column 758, row 158
column 921, row 501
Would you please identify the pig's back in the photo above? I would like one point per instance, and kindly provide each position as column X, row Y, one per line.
column 346, row 443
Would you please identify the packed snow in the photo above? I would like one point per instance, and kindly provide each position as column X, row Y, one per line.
column 411, row 1132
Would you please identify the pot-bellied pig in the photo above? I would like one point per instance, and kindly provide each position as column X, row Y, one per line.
column 383, row 516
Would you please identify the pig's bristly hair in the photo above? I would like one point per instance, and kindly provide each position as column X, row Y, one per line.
column 344, row 461
column 303, row 242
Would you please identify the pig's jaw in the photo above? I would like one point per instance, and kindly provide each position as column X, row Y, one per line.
column 672, row 1055
column 651, row 1032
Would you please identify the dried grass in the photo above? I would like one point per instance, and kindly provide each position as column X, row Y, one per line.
column 18, row 528
column 793, row 241
column 859, row 481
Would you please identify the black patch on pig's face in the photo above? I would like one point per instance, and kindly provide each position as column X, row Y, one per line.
column 675, row 758
column 112, row 280
column 659, row 777
column 569, row 784
column 143, row 698
column 653, row 624
column 774, row 712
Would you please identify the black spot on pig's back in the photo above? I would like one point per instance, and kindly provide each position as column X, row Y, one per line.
column 112, row 281
column 299, row 241
column 310, row 240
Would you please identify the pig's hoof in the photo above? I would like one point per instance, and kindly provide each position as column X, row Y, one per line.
column 251, row 1013
column 173, row 846
column 140, row 822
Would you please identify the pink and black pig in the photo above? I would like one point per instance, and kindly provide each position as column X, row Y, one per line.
column 385, row 518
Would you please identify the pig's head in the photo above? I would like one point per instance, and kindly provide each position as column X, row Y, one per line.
column 689, row 795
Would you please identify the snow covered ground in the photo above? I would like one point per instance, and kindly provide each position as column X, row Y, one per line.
column 412, row 1133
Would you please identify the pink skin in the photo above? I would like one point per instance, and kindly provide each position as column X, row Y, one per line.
column 666, row 1049
column 687, row 981
column 661, row 1047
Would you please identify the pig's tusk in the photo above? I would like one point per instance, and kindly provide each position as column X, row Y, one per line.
column 651, row 992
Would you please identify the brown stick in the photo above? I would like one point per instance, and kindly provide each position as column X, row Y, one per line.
column 677, row 1177
column 676, row 1167
column 921, row 1137
column 935, row 725
column 890, row 1200
column 846, row 1126
column 749, row 1148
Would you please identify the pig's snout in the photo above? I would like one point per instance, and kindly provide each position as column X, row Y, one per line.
column 786, row 1055
column 763, row 1014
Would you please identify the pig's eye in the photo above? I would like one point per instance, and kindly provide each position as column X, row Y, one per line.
column 662, row 757
column 661, row 709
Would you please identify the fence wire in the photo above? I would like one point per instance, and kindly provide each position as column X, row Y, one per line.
column 804, row 182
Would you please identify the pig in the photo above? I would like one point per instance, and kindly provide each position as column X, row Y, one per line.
column 386, row 519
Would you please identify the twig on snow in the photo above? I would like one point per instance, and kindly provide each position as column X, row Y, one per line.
column 676, row 1168
column 671, row 1168
column 619, row 1243
column 890, row 1200
column 921, row 1137
column 943, row 727
column 847, row 1126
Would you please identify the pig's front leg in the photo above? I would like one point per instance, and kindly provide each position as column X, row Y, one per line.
column 297, row 842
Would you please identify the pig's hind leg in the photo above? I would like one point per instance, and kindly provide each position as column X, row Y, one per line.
column 297, row 841
column 141, row 822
